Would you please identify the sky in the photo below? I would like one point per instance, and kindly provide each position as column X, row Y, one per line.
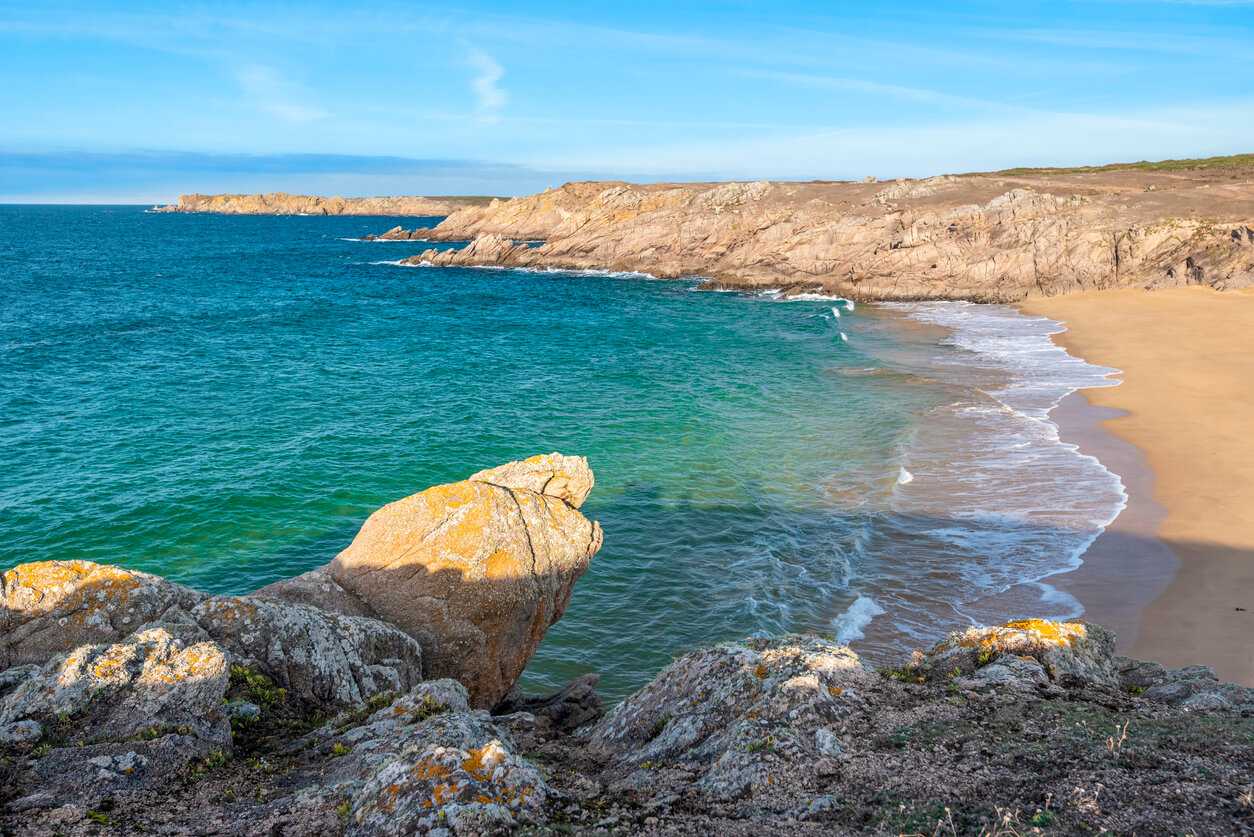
column 140, row 102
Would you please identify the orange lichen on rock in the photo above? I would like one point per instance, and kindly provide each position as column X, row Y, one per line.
column 1056, row 632
column 1061, row 648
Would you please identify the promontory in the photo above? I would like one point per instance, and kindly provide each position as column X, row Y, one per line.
column 996, row 237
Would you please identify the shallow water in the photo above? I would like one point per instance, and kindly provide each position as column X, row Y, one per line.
column 224, row 399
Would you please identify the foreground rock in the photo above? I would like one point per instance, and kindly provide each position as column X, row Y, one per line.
column 54, row 607
column 791, row 735
column 50, row 607
column 156, row 679
column 476, row 571
column 987, row 237
column 723, row 715
column 281, row 203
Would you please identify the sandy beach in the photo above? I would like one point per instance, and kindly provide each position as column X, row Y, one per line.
column 1187, row 403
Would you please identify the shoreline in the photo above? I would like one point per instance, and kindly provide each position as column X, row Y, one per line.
column 1174, row 574
column 1124, row 569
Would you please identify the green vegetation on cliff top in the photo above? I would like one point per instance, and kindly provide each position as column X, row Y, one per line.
column 1191, row 164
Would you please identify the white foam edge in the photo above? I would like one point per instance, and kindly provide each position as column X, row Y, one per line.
column 852, row 624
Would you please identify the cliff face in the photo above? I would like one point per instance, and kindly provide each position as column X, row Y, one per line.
column 281, row 203
column 978, row 237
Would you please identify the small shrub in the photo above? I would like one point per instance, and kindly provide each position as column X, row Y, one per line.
column 904, row 674
column 766, row 744
column 212, row 762
column 339, row 749
column 428, row 707
column 660, row 725
column 263, row 691
column 1043, row 819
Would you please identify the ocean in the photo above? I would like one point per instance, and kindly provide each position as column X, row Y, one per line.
column 223, row 400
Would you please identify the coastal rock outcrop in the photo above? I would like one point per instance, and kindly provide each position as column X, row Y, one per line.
column 54, row 607
column 156, row 679
column 794, row 734
column 460, row 580
column 1028, row 649
column 986, row 238
column 397, row 234
column 476, row 571
column 51, row 607
column 320, row 658
column 487, row 249
column 281, row 203
column 721, row 713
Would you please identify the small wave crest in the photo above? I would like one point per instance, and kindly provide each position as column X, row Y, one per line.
column 389, row 240
column 851, row 624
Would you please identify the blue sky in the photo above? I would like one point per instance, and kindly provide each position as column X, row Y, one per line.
column 140, row 102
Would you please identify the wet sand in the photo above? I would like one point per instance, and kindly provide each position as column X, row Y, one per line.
column 1187, row 409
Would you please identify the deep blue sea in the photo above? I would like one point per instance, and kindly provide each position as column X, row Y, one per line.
column 224, row 399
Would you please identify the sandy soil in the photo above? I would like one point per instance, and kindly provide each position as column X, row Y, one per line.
column 1187, row 401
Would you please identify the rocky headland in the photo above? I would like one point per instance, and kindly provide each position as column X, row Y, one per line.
column 375, row 695
column 281, row 203
column 997, row 237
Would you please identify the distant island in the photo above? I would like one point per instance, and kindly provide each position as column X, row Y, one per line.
column 281, row 203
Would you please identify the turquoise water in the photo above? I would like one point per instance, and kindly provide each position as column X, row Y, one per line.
column 223, row 400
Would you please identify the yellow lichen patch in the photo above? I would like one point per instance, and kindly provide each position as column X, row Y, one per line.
column 105, row 668
column 46, row 574
column 1058, row 633
column 502, row 564
column 79, row 583
column 761, row 672
column 833, row 691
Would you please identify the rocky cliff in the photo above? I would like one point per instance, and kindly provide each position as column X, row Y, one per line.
column 372, row 696
column 281, row 203
column 986, row 237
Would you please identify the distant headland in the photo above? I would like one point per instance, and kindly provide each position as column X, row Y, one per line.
column 281, row 203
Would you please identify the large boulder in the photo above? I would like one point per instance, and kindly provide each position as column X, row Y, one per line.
column 477, row 571
column 51, row 607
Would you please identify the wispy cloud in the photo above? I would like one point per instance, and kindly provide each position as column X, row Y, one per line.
column 855, row 85
column 490, row 96
column 266, row 90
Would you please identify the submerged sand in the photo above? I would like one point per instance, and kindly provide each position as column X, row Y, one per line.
column 1187, row 402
